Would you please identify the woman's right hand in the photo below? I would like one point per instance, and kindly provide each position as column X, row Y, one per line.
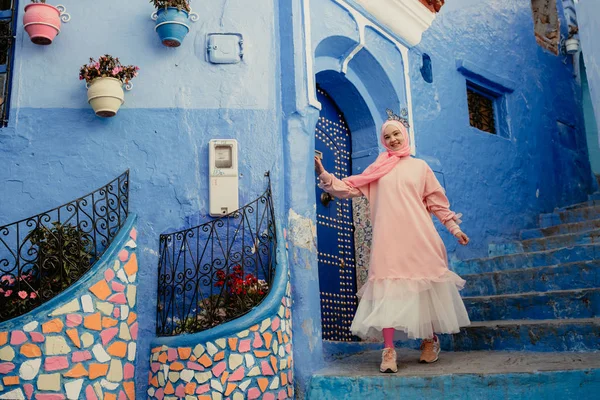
column 319, row 166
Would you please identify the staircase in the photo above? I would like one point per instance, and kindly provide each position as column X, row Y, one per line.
column 535, row 311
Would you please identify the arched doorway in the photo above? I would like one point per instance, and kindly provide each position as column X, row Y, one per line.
column 335, row 229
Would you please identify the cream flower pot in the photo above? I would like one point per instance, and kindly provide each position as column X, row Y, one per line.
column 106, row 96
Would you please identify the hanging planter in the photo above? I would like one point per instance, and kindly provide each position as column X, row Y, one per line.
column 105, row 79
column 42, row 21
column 172, row 20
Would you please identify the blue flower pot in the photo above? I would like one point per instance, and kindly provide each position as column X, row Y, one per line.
column 172, row 25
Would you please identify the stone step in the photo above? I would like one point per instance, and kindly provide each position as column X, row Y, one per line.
column 460, row 375
column 581, row 334
column 575, row 227
column 591, row 202
column 564, row 217
column 594, row 196
column 577, row 275
column 559, row 304
column 586, row 252
column 548, row 243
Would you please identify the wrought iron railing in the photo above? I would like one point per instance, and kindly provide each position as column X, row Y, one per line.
column 217, row 271
column 42, row 255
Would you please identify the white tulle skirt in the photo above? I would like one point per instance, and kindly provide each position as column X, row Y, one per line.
column 417, row 307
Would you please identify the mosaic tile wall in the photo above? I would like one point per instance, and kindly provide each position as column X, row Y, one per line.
column 363, row 234
column 82, row 346
column 255, row 363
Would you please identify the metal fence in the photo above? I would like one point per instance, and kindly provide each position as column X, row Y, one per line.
column 43, row 255
column 217, row 271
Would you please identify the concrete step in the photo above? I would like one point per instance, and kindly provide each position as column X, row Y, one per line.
column 568, row 216
column 462, row 375
column 527, row 335
column 586, row 252
column 547, row 243
column 594, row 196
column 577, row 275
column 559, row 304
column 591, row 202
column 574, row 227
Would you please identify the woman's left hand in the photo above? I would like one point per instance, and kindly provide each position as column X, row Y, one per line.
column 462, row 238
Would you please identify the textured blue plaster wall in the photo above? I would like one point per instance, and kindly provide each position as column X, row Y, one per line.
column 55, row 149
column 500, row 185
column 588, row 17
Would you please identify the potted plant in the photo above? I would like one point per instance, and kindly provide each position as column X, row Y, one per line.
column 172, row 18
column 105, row 79
column 42, row 21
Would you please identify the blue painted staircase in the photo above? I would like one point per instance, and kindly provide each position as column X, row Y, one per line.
column 534, row 299
column 541, row 293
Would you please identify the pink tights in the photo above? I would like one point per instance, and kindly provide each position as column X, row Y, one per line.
column 388, row 338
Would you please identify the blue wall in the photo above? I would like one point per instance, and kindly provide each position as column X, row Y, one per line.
column 588, row 17
column 500, row 184
column 55, row 149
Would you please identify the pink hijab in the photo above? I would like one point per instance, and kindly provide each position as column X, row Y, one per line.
column 386, row 161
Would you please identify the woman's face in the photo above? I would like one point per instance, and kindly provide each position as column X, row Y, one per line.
column 393, row 139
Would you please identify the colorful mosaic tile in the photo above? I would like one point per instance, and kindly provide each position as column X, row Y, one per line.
column 82, row 349
column 255, row 363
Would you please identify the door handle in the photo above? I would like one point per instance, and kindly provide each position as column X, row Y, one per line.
column 326, row 198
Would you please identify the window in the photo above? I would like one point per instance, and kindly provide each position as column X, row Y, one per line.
column 487, row 99
column 7, row 29
column 482, row 108
column 546, row 24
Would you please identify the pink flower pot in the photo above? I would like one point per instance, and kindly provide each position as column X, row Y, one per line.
column 42, row 22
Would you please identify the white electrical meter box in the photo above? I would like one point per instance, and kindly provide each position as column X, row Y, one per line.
column 223, row 171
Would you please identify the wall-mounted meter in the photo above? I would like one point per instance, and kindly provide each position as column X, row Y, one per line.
column 223, row 171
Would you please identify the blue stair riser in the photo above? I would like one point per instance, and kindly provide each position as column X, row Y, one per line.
column 539, row 385
column 575, row 227
column 586, row 204
column 541, row 244
column 565, row 217
column 528, row 260
column 594, row 196
column 584, row 303
column 578, row 275
column 546, row 337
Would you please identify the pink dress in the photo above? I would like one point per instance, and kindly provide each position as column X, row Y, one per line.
column 410, row 287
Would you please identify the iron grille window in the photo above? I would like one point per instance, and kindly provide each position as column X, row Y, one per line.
column 481, row 109
column 7, row 29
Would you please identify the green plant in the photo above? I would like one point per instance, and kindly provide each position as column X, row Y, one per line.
column 63, row 254
column 107, row 66
column 180, row 4
column 239, row 294
column 38, row 1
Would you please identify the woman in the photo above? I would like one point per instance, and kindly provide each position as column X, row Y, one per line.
column 410, row 287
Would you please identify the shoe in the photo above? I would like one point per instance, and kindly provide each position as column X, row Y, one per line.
column 430, row 350
column 388, row 361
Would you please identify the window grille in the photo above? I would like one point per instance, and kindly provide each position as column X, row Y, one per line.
column 8, row 16
column 481, row 110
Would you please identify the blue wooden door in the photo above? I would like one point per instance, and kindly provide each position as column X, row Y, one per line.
column 335, row 230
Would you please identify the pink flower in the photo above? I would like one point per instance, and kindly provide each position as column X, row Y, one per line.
column 8, row 278
column 33, row 295
column 97, row 65
column 23, row 294
column 8, row 293
column 116, row 70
